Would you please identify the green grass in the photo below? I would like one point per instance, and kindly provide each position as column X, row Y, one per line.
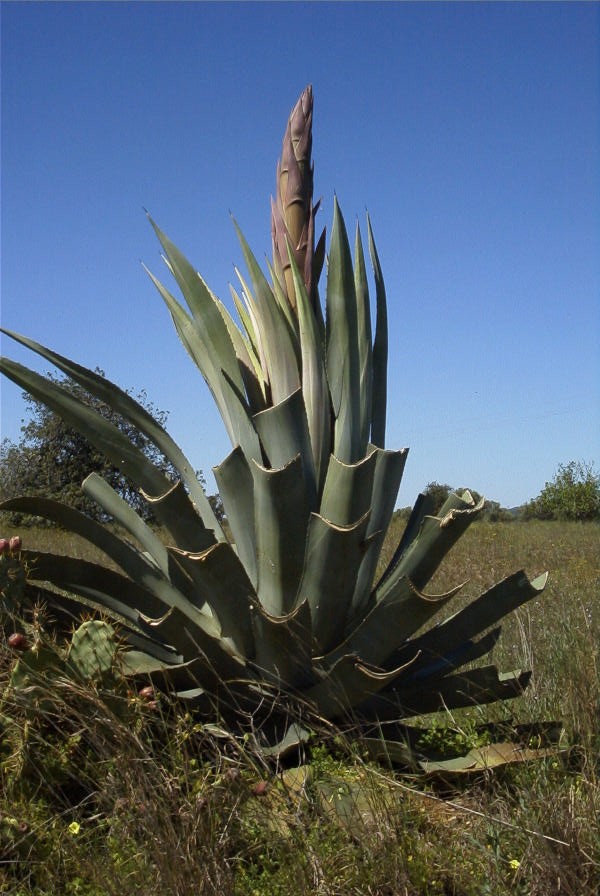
column 97, row 801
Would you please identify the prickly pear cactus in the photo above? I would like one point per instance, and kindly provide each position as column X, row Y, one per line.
column 90, row 658
column 93, row 651
column 13, row 574
column 32, row 677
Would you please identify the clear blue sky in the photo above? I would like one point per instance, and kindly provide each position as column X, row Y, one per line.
column 469, row 131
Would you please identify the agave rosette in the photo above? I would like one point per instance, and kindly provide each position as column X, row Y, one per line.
column 283, row 599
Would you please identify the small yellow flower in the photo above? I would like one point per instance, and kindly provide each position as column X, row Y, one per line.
column 514, row 864
column 74, row 828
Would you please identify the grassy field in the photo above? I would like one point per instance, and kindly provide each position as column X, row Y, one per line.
column 94, row 803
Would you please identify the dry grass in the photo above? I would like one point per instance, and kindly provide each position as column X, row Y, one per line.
column 95, row 802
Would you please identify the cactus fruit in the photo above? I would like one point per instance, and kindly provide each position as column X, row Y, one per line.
column 18, row 641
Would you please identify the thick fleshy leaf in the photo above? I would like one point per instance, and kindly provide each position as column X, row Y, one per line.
column 140, row 568
column 295, row 737
column 481, row 614
column 102, row 587
column 283, row 432
column 472, row 688
column 349, row 682
column 315, row 388
column 380, row 350
column 252, row 337
column 178, row 629
column 485, row 758
column 389, row 467
column 173, row 509
column 276, row 337
column 436, row 537
column 348, row 490
column 228, row 590
column 402, row 746
column 342, row 344
column 365, row 349
column 423, row 506
column 248, row 362
column 333, row 556
column 195, row 681
column 227, row 398
column 91, row 424
column 176, row 511
column 284, row 647
column 281, row 522
column 201, row 302
column 430, row 665
column 391, row 622
column 133, row 411
column 250, row 317
column 196, row 589
column 236, row 488
column 282, row 299
column 122, row 512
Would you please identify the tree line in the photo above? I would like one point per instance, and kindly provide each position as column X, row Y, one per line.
column 52, row 460
column 573, row 494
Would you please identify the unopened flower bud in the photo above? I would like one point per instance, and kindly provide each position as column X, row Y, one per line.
column 15, row 543
column 4, row 545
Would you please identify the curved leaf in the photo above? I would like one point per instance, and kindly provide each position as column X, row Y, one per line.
column 365, row 349
column 391, row 622
column 435, row 538
column 349, row 683
column 277, row 338
column 281, row 521
column 135, row 564
column 315, row 388
column 104, row 495
column 342, row 344
column 481, row 614
column 283, row 432
column 333, row 555
column 284, row 647
column 227, row 589
column 236, row 487
column 476, row 687
column 380, row 350
column 122, row 403
column 389, row 467
column 227, row 398
column 348, row 490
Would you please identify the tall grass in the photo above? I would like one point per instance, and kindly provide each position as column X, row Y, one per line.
column 97, row 800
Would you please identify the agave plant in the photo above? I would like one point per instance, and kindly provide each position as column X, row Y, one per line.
column 284, row 601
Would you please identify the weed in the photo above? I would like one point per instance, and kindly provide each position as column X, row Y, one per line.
column 94, row 801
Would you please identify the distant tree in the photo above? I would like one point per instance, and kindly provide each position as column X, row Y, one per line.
column 438, row 492
column 493, row 512
column 51, row 459
column 573, row 494
column 401, row 514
